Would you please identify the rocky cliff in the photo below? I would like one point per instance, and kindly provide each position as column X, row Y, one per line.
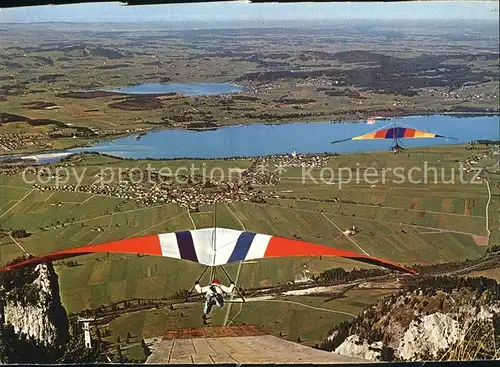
column 448, row 318
column 30, row 302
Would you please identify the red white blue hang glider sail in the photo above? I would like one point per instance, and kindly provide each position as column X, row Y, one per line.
column 211, row 247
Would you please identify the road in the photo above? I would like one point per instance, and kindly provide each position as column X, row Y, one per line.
column 347, row 236
column 19, row 201
column 190, row 217
column 19, row 245
column 469, row 268
column 303, row 305
column 487, row 206
column 489, row 196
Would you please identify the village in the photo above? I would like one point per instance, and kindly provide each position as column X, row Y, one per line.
column 20, row 141
column 468, row 165
column 192, row 190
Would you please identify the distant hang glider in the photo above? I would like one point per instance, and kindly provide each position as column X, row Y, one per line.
column 212, row 247
column 395, row 133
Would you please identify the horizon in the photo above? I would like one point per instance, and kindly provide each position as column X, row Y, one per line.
column 244, row 12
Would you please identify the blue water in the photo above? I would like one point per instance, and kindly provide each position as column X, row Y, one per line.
column 191, row 89
column 261, row 139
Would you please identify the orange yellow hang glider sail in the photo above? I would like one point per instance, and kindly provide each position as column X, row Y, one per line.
column 395, row 133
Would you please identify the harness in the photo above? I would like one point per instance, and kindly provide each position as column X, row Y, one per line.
column 216, row 294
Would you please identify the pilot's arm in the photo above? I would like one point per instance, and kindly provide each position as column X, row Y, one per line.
column 200, row 289
column 227, row 290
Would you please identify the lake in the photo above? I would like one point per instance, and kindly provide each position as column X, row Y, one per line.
column 189, row 89
column 315, row 137
column 265, row 139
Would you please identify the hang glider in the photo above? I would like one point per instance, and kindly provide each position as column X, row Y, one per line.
column 396, row 132
column 211, row 247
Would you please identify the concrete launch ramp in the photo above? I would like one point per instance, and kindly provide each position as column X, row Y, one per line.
column 234, row 344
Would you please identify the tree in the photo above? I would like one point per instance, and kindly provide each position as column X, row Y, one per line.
column 75, row 351
column 22, row 349
column 20, row 233
column 145, row 348
column 119, row 353
column 387, row 353
column 441, row 304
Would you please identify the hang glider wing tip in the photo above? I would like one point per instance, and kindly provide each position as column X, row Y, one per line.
column 384, row 264
column 287, row 247
column 445, row 137
column 340, row 141
column 54, row 256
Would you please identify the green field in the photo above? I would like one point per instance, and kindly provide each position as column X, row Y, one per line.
column 403, row 223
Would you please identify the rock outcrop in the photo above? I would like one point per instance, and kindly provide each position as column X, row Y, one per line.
column 432, row 318
column 30, row 302
column 353, row 347
column 429, row 335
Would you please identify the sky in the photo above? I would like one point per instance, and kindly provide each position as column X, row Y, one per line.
column 243, row 11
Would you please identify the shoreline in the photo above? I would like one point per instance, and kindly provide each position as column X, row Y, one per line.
column 25, row 162
column 48, row 153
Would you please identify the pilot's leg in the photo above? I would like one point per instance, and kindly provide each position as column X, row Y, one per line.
column 208, row 306
column 219, row 300
column 205, row 309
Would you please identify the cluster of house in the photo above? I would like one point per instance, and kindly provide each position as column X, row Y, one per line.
column 491, row 153
column 294, row 160
column 21, row 141
column 191, row 191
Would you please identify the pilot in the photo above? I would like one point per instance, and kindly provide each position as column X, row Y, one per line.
column 214, row 293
